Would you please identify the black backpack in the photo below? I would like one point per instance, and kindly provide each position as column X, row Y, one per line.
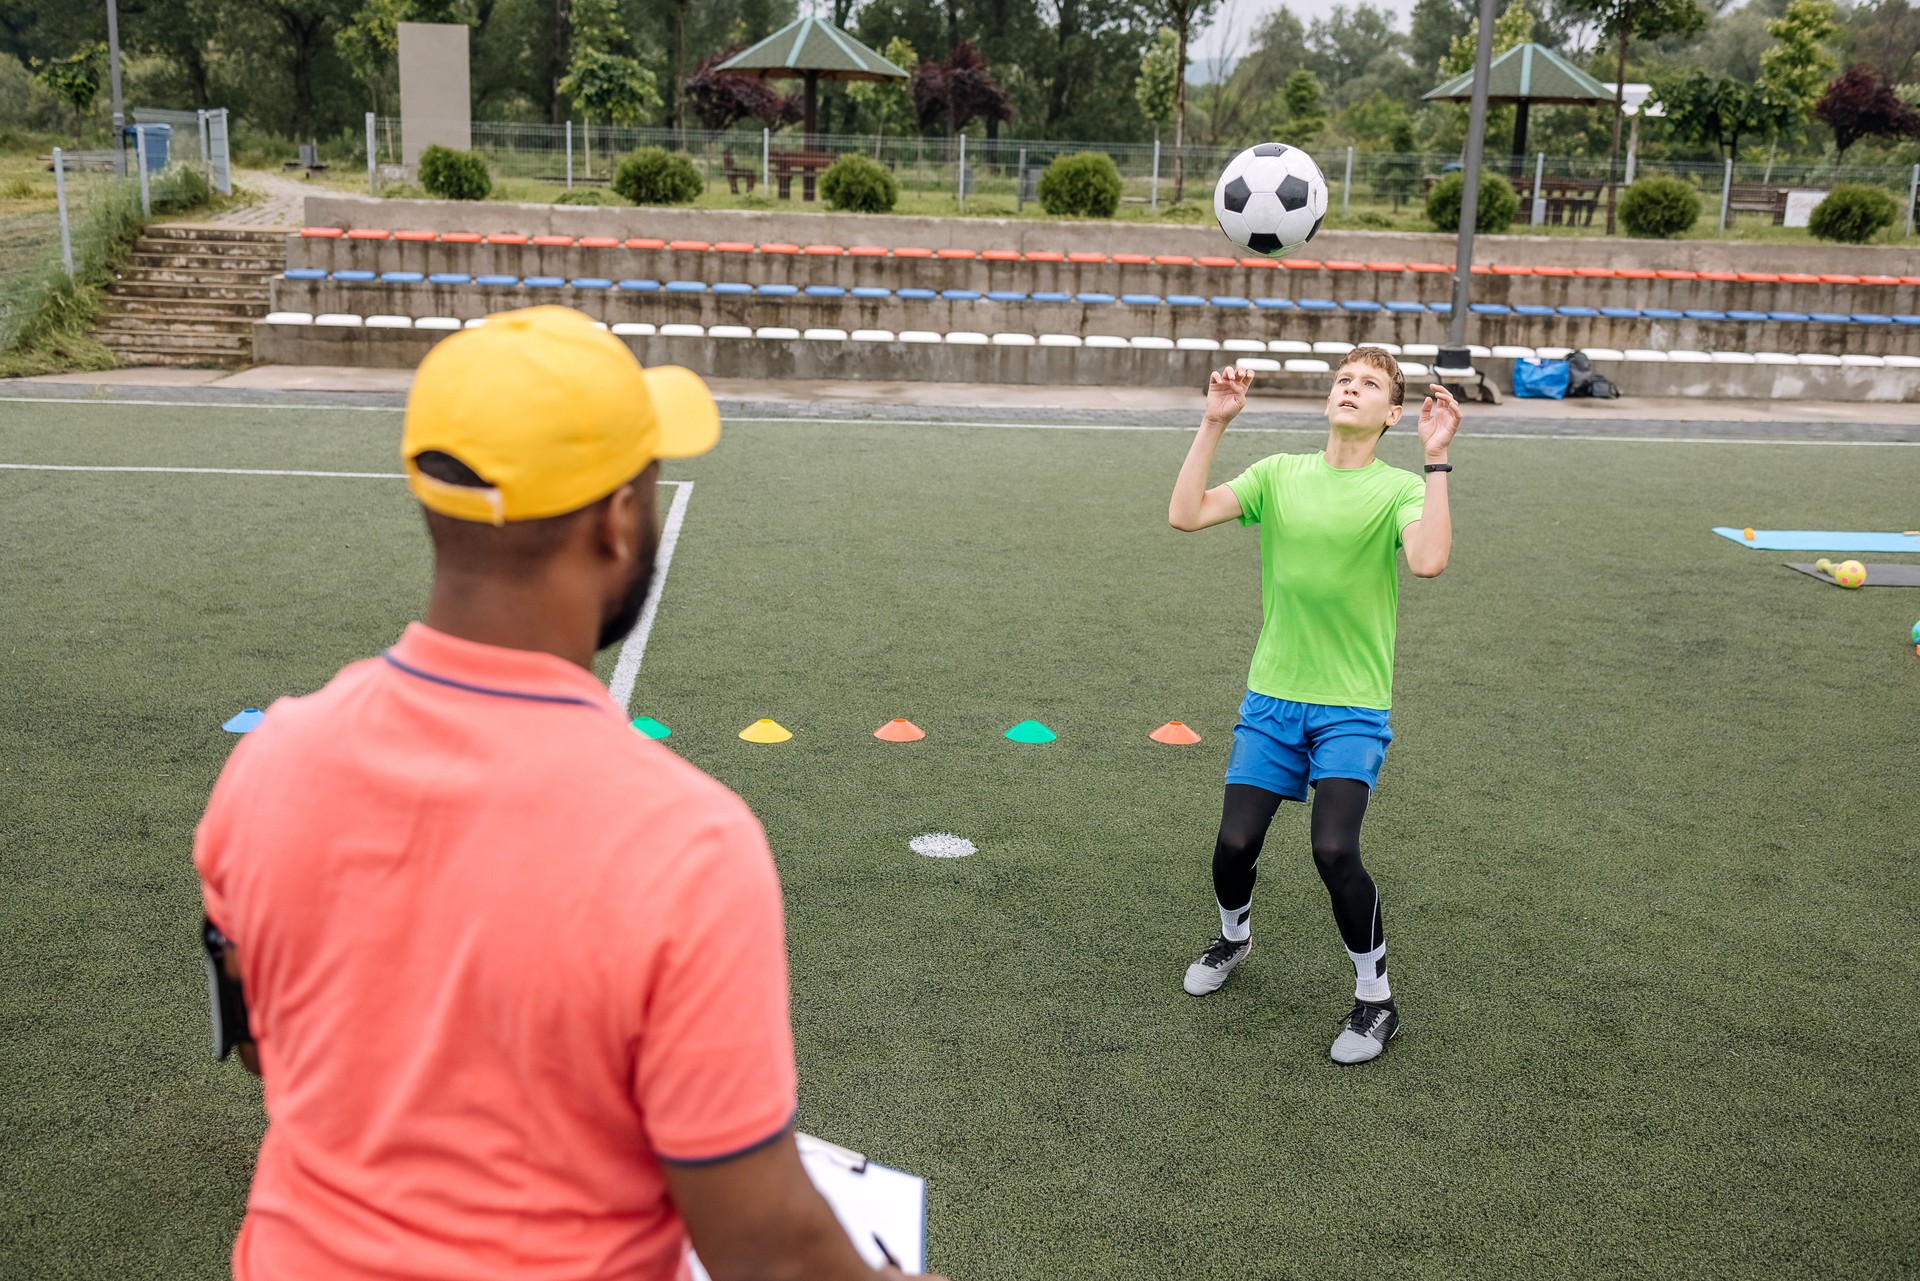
column 1582, row 381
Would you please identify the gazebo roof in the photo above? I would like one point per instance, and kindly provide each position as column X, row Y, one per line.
column 812, row 45
column 1528, row 73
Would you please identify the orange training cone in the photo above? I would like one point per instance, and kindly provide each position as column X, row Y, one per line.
column 899, row 730
column 1174, row 732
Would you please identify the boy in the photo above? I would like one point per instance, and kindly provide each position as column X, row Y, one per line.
column 1315, row 713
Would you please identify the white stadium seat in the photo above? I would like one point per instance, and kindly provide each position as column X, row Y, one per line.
column 289, row 318
column 683, row 331
column 1645, row 356
column 1689, row 358
column 1732, row 357
column 1062, row 340
column 825, row 335
column 1864, row 362
column 1413, row 369
column 1244, row 344
column 1605, row 353
column 872, row 335
column 1818, row 358
column 478, row 321
column 338, row 320
column 1290, row 346
column 1014, row 340
column 1420, row 349
column 389, row 322
column 770, row 331
column 628, row 329
column 1197, row 344
column 1300, row 366
column 441, row 322
column 966, row 338
column 1149, row 342
column 1332, row 348
column 1259, row 364
column 1902, row 362
column 729, row 331
column 1774, row 358
column 919, row 336
column 1552, row 353
column 1507, row 351
column 1105, row 340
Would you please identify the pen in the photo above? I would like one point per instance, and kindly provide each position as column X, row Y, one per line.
column 884, row 1252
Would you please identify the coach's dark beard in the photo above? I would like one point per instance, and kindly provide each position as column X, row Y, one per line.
column 614, row 628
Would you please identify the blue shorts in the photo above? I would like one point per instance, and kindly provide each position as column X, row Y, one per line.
column 1282, row 746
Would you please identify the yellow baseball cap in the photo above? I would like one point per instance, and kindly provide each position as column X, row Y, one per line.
column 551, row 411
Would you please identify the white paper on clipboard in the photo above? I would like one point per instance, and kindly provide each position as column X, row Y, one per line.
column 869, row 1199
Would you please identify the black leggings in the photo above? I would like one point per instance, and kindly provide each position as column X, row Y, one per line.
column 1338, row 806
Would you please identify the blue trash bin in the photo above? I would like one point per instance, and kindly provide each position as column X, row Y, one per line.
column 159, row 139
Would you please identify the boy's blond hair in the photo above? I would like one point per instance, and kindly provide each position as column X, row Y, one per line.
column 1381, row 359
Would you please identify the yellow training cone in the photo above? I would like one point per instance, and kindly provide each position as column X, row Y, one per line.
column 766, row 731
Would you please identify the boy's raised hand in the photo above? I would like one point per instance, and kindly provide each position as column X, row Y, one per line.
column 1227, row 393
column 1439, row 420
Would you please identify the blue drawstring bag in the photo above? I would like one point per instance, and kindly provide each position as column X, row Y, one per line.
column 1541, row 379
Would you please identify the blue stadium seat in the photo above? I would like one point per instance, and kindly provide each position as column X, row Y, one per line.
column 1829, row 317
column 1229, row 300
column 1091, row 298
column 1900, row 319
column 592, row 282
column 1141, row 300
column 871, row 291
column 731, row 287
column 496, row 280
column 778, row 291
column 1746, row 315
column 686, row 286
column 1660, row 313
column 545, row 282
column 449, row 278
column 1006, row 295
column 1531, row 309
column 1359, row 304
column 960, row 295
column 1274, row 304
column 1440, row 308
column 401, row 277
column 1788, row 315
column 640, row 286
column 1871, row 318
column 826, row 291
column 913, row 295
column 356, row 277
column 1318, row 304
column 1403, row 308
column 1185, row 300
column 1577, row 311
column 1051, row 297
column 1489, row 309
column 314, row 273
column 1701, row 313
column 1620, row 313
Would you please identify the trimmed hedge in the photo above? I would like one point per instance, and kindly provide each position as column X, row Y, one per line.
column 1082, row 185
column 855, row 184
column 1853, row 214
column 656, row 176
column 447, row 174
column 1493, row 213
column 1659, row 208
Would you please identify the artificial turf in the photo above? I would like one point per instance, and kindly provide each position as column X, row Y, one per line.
column 1646, row 837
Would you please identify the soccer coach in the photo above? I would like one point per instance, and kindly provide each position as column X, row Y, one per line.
column 513, row 976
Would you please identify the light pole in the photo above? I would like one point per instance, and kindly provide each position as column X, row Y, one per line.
column 1470, row 188
column 113, row 72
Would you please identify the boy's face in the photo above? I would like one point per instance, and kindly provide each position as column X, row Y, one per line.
column 1361, row 399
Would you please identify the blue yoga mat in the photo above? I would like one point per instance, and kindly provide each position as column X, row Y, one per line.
column 1822, row 540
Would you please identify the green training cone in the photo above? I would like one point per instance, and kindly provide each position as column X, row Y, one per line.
column 650, row 727
column 1031, row 732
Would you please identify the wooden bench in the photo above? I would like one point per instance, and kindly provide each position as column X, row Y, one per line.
column 1571, row 202
column 102, row 160
column 738, row 173
column 1757, row 197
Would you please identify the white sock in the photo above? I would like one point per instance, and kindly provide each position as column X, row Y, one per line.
column 1370, row 975
column 1234, row 926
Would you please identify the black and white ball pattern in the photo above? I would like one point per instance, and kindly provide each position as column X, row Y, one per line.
column 1270, row 199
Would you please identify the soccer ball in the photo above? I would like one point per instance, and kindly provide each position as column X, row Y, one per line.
column 1270, row 199
column 1850, row 573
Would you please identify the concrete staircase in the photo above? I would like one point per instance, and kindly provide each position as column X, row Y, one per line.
column 190, row 293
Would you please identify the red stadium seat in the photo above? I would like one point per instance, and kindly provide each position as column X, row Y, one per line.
column 1430, row 267
column 460, row 237
column 912, row 253
column 1300, row 264
column 1482, row 269
column 1082, row 256
column 1669, row 273
column 867, row 251
column 507, row 238
column 1386, row 266
column 598, row 242
column 1760, row 277
column 369, row 233
column 1000, row 255
column 322, row 233
column 1839, row 280
column 728, row 246
column 1553, row 271
column 1504, row 269
column 1044, row 255
column 1633, row 273
column 779, row 247
column 696, row 246
column 825, row 251
column 1595, row 273
column 1719, row 275
column 1343, row 264
column 416, row 236
column 1260, row 262
column 1131, row 260
column 553, row 242
column 1207, row 260
column 955, row 253
column 1798, row 278
column 1173, row 260
column 642, row 242
column 1879, row 280
column 1910, row 280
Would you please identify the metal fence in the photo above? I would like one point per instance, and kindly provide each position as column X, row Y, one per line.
column 197, row 139
column 1004, row 170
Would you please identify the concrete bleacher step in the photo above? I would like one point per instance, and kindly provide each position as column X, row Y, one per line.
column 190, row 293
column 250, row 261
column 242, row 308
column 173, row 324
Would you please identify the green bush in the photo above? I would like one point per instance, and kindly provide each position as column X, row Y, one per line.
column 584, row 196
column 454, row 175
column 1082, row 185
column 1853, row 214
column 855, row 184
column 1659, row 208
column 1493, row 213
column 656, row 176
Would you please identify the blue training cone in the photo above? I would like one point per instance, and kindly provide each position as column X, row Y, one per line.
column 242, row 721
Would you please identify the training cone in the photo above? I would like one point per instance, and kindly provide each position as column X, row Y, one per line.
column 1175, row 732
column 766, row 731
column 1031, row 732
column 650, row 727
column 242, row 721
column 899, row 730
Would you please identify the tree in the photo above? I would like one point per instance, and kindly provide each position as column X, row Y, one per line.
column 371, row 42
column 74, row 80
column 1356, row 50
column 1300, row 113
column 610, row 86
column 722, row 99
column 889, row 102
column 1719, row 111
column 1620, row 21
column 1153, row 88
column 1795, row 69
column 1185, row 17
column 961, row 90
column 1860, row 104
column 1375, row 122
column 308, row 27
column 1513, row 28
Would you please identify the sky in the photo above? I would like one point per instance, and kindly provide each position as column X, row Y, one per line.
column 1232, row 29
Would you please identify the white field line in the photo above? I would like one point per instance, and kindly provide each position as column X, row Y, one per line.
column 209, row 471
column 626, row 670
column 1538, row 437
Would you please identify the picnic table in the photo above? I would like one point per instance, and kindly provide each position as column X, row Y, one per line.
column 784, row 166
column 1570, row 201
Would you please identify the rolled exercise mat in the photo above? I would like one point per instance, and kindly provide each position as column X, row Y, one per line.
column 1878, row 575
column 1821, row 540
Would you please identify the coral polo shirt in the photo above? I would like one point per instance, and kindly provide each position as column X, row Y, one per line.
column 503, row 957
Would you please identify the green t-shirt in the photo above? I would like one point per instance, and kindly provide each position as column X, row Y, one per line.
column 1329, row 581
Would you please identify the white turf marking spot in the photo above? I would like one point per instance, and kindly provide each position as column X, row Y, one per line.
column 941, row 845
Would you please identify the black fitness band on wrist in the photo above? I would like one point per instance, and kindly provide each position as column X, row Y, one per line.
column 1434, row 467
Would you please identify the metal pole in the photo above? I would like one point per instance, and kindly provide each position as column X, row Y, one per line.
column 1020, row 184
column 1470, row 179
column 140, row 158
column 963, row 172
column 1154, row 200
column 1539, row 198
column 113, row 69
column 1346, row 184
column 373, row 186
column 766, row 151
column 1633, row 144
column 206, row 160
column 1913, row 195
column 569, row 155
column 1726, row 191
column 60, row 195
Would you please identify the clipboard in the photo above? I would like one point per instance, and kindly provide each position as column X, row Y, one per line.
column 870, row 1200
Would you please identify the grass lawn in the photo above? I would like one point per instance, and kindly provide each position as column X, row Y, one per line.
column 1646, row 836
